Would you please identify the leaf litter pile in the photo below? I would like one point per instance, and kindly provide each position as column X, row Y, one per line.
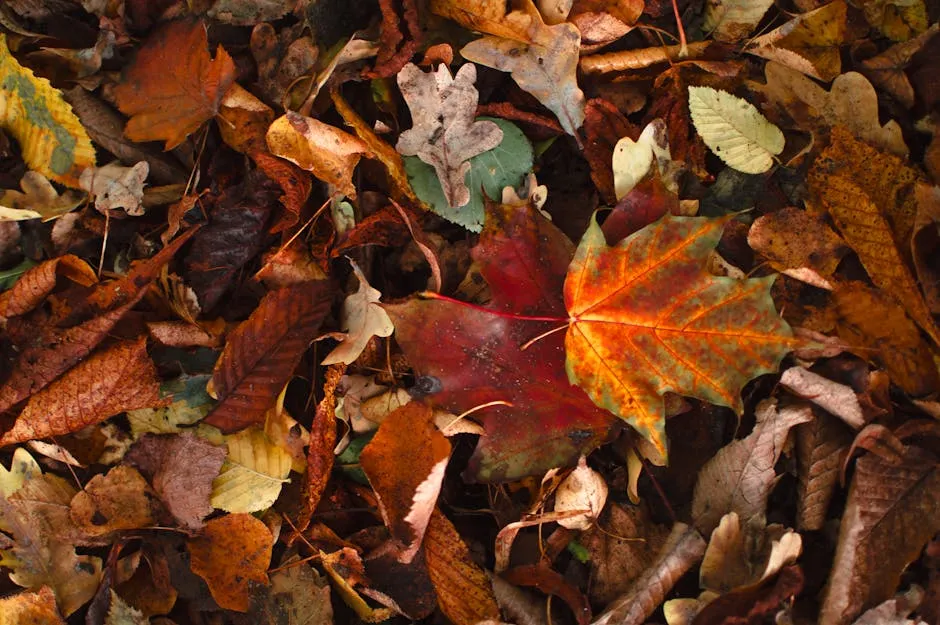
column 464, row 311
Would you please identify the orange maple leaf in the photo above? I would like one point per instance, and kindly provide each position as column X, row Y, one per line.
column 646, row 317
column 173, row 85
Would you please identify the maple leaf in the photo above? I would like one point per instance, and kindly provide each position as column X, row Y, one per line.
column 445, row 135
column 173, row 85
column 646, row 317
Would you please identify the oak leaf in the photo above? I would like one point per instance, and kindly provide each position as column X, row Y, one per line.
column 231, row 553
column 115, row 186
column 646, row 317
column 362, row 319
column 444, row 133
column 173, row 85
column 260, row 354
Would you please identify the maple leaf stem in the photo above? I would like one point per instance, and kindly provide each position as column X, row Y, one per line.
column 498, row 313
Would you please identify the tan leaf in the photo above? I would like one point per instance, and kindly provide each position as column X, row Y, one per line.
column 681, row 551
column 118, row 500
column 405, row 463
column 302, row 593
column 733, row 20
column 243, row 120
column 850, row 102
column 115, row 186
column 821, row 446
column 809, row 43
column 362, row 318
column 30, row 608
column 891, row 512
column 326, row 151
column 38, row 200
column 740, row 476
column 112, row 381
column 584, row 489
column 838, row 399
column 464, row 592
column 231, row 553
column 444, row 133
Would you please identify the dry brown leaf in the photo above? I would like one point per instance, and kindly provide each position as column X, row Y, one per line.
column 809, row 43
column 733, row 20
column 30, row 608
column 118, row 500
column 34, row 285
column 850, row 102
column 232, row 553
column 799, row 244
column 821, row 446
column 925, row 243
column 838, row 399
column 326, row 151
column 887, row 69
column 681, row 551
column 243, row 120
column 118, row 379
column 114, row 186
column 891, row 512
column 405, row 463
column 173, row 85
column 740, row 476
column 875, row 211
column 463, row 590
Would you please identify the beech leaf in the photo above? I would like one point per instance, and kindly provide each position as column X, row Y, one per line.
column 253, row 473
column 444, row 133
column 646, row 317
column 734, row 130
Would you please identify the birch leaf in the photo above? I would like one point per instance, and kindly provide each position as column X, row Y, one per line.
column 734, row 130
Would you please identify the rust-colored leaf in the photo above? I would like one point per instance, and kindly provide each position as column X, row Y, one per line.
column 821, row 446
column 117, row 379
column 231, row 554
column 892, row 511
column 119, row 500
column 30, row 608
column 464, row 592
column 261, row 353
column 173, row 85
column 405, row 463
column 646, row 317
column 34, row 285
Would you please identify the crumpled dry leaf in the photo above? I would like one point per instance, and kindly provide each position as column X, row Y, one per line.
column 38, row 200
column 444, row 133
column 114, row 186
column 583, row 489
column 734, row 130
column 362, row 318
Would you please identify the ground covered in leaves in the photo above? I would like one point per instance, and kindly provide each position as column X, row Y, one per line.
column 463, row 311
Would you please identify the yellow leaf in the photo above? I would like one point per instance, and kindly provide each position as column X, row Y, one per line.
column 52, row 139
column 22, row 468
column 38, row 200
column 252, row 474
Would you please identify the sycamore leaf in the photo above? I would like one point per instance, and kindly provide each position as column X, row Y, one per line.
column 230, row 553
column 734, row 130
column 444, row 133
column 490, row 172
column 38, row 200
column 326, row 151
column 809, row 43
column 253, row 473
column 543, row 60
column 646, row 317
column 362, row 319
column 732, row 20
column 52, row 139
column 173, row 85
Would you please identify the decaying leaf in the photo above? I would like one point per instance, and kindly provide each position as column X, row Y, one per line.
column 363, row 319
column 118, row 500
column 444, row 133
column 734, row 130
column 173, row 85
column 231, row 554
column 626, row 345
column 405, row 464
column 821, row 446
column 732, row 20
column 53, row 141
column 584, row 489
column 114, row 186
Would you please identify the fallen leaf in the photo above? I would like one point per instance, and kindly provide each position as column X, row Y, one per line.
column 243, row 121
column 632, row 160
column 895, row 611
column 837, row 399
column 53, row 142
column 173, row 85
column 241, row 13
column 38, row 282
column 254, row 471
column 583, row 489
column 740, row 476
column 362, row 319
column 898, row 21
column 112, row 381
column 181, row 468
column 398, row 44
column 30, row 608
column 464, row 592
column 114, row 186
column 329, row 153
column 891, row 513
column 302, row 593
column 808, row 43
column 733, row 20
column 261, row 353
column 407, row 490
column 626, row 348
column 734, row 130
column 118, row 500
column 551, row 583
column 682, row 550
column 120, row 613
column 231, row 554
column 38, row 200
column 886, row 70
column 543, row 60
column 924, row 243
column 444, row 133
column 821, row 446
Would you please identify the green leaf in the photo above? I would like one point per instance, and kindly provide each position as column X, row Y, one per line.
column 503, row 166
